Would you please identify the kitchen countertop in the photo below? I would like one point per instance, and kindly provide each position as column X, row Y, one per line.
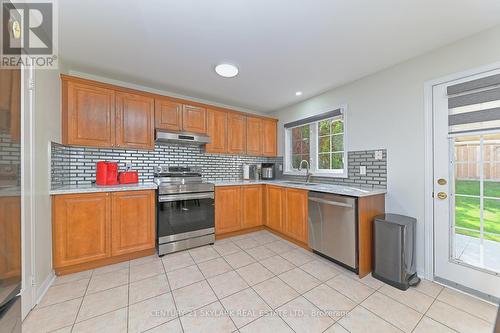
column 10, row 191
column 317, row 187
column 73, row 189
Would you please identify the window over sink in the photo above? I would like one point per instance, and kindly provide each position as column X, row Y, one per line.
column 320, row 140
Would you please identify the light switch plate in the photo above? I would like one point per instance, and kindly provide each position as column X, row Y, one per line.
column 362, row 170
column 281, row 167
column 378, row 154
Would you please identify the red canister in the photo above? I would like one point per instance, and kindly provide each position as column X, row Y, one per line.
column 128, row 177
column 106, row 173
column 101, row 174
column 112, row 175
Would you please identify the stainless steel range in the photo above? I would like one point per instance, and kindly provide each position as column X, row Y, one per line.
column 185, row 209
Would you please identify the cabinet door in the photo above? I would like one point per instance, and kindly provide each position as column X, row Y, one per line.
column 251, row 198
column 254, row 136
column 296, row 214
column 227, row 209
column 80, row 228
column 269, row 137
column 168, row 115
column 134, row 121
column 132, row 222
column 275, row 199
column 10, row 237
column 236, row 133
column 88, row 115
column 15, row 107
column 194, row 119
column 217, row 131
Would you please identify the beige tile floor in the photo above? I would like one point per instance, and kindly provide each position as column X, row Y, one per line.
column 250, row 283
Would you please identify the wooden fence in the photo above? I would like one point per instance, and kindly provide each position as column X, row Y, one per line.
column 467, row 157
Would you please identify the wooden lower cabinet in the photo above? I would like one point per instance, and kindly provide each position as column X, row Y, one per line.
column 295, row 212
column 251, row 210
column 227, row 209
column 95, row 227
column 248, row 206
column 287, row 211
column 274, row 207
column 10, row 237
column 81, row 228
column 131, row 227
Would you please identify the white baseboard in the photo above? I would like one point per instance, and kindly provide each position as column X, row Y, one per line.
column 42, row 289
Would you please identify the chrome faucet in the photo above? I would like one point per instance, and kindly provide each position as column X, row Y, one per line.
column 308, row 174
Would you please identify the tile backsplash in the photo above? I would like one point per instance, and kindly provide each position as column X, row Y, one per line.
column 376, row 171
column 10, row 160
column 76, row 165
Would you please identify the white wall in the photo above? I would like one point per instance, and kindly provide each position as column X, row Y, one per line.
column 386, row 110
column 46, row 128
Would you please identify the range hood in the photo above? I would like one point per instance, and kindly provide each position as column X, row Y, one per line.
column 188, row 138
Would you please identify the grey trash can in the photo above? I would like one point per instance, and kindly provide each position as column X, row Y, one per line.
column 394, row 250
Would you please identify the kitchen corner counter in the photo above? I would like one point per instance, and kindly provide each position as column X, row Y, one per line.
column 357, row 192
column 76, row 189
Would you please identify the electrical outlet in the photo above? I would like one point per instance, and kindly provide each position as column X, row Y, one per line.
column 362, row 170
column 378, row 154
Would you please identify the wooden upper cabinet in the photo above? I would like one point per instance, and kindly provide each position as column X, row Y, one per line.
column 80, row 229
column 251, row 197
column 275, row 201
column 227, row 209
column 168, row 114
column 217, row 131
column 236, row 133
column 269, row 137
column 295, row 211
column 97, row 114
column 88, row 114
column 194, row 119
column 134, row 121
column 254, row 136
column 133, row 221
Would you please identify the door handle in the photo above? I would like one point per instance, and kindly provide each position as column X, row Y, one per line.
column 442, row 195
column 329, row 202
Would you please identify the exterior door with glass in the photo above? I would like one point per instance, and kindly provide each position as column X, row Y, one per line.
column 466, row 119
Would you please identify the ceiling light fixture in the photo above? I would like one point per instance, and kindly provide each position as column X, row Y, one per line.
column 226, row 70
column 298, row 93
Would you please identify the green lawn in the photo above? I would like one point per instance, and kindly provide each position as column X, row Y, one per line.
column 467, row 209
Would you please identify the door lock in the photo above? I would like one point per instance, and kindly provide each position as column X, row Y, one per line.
column 441, row 181
column 442, row 195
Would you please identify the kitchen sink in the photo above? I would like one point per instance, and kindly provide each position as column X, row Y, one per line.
column 300, row 183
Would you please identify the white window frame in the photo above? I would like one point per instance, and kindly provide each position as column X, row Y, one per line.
column 313, row 151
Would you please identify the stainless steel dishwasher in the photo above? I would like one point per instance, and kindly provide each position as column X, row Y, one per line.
column 333, row 228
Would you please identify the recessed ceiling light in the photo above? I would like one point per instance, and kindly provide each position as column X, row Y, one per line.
column 298, row 93
column 226, row 70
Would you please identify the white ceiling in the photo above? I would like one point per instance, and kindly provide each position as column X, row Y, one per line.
column 280, row 46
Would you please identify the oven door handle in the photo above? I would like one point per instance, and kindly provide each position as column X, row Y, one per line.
column 189, row 196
